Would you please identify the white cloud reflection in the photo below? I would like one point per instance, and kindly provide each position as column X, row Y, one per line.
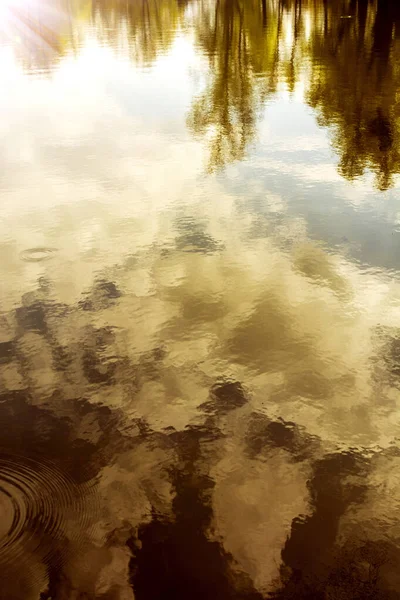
column 98, row 168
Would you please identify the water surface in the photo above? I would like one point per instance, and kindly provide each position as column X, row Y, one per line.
column 200, row 299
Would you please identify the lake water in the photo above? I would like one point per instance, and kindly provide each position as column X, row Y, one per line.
column 200, row 299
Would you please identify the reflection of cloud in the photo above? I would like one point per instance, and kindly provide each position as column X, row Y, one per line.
column 150, row 337
column 71, row 193
column 315, row 173
column 300, row 326
column 254, row 508
column 158, row 289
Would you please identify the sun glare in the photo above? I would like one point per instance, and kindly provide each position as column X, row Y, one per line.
column 6, row 5
column 30, row 28
column 8, row 10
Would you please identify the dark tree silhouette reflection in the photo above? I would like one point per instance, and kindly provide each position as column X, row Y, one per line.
column 352, row 48
column 149, row 25
column 343, row 53
column 354, row 83
column 243, row 62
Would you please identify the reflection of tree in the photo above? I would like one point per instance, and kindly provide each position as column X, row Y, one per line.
column 41, row 32
column 150, row 25
column 348, row 66
column 37, row 44
column 354, row 86
column 234, row 38
column 352, row 83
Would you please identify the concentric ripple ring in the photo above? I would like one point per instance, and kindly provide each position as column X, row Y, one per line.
column 38, row 504
column 38, row 254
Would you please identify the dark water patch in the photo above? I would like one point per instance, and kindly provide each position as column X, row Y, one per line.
column 179, row 549
column 7, row 352
column 95, row 371
column 62, row 359
column 102, row 295
column 388, row 341
column 224, row 397
column 264, row 434
column 150, row 364
column 80, row 453
column 32, row 317
column 29, row 430
column 310, row 553
column 192, row 238
column 49, row 506
column 363, row 569
column 97, row 367
column 35, row 498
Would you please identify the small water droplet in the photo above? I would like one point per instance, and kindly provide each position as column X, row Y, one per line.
column 37, row 254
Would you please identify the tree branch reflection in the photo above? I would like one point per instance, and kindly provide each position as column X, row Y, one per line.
column 343, row 54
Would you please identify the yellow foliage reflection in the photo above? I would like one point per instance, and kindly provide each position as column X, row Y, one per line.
column 343, row 56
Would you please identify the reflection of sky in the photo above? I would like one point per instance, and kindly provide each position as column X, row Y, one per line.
column 217, row 275
column 98, row 144
column 293, row 158
column 97, row 122
column 160, row 95
column 97, row 162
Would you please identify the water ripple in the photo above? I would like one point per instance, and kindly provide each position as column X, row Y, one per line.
column 38, row 503
column 38, row 254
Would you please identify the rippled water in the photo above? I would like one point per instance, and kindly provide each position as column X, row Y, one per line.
column 200, row 299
